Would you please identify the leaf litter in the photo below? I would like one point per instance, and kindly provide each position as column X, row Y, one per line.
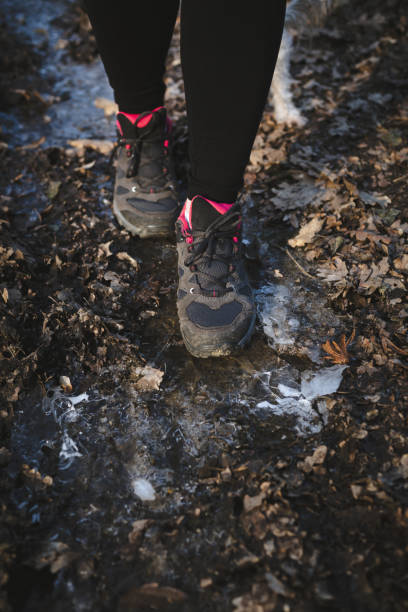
column 285, row 517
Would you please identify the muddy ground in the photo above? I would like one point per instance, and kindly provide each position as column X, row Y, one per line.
column 276, row 479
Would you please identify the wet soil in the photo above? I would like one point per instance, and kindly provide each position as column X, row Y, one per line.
column 150, row 480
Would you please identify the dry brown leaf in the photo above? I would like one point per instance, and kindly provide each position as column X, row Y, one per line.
column 386, row 342
column 307, row 233
column 150, row 378
column 102, row 146
column 337, row 353
column 401, row 263
column 362, row 235
column 109, row 107
column 372, row 277
column 126, row 257
column 335, row 271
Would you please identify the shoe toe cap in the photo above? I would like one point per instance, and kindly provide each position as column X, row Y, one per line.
column 162, row 205
column 203, row 316
column 217, row 332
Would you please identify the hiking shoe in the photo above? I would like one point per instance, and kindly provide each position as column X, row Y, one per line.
column 145, row 200
column 214, row 301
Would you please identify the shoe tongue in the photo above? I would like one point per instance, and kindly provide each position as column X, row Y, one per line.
column 203, row 213
column 130, row 129
column 125, row 125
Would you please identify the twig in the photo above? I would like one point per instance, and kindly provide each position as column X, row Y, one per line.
column 396, row 348
column 301, row 268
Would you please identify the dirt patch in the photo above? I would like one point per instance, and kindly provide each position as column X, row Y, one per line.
column 152, row 480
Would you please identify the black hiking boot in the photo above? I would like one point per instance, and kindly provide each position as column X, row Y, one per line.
column 145, row 200
column 214, row 301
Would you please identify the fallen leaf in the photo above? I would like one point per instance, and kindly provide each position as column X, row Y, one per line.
column 150, row 378
column 318, row 457
column 336, row 271
column 386, row 341
column 126, row 257
column 53, row 189
column 102, row 146
column 401, row 263
column 150, row 596
column 56, row 555
column 294, row 196
column 374, row 198
column 307, row 232
column 65, row 384
column 356, row 490
column 109, row 107
column 337, row 353
column 137, row 529
column 276, row 585
column 372, row 277
column 253, row 502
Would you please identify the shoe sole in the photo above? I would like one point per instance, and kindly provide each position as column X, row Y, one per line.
column 203, row 351
column 144, row 230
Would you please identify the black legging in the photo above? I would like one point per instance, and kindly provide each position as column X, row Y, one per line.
column 228, row 54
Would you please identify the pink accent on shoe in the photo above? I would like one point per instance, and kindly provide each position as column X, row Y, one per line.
column 144, row 121
column 221, row 207
column 185, row 215
column 131, row 116
column 185, row 219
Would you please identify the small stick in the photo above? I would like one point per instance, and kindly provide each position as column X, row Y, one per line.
column 298, row 264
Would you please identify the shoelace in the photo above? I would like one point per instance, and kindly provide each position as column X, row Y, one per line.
column 203, row 250
column 134, row 151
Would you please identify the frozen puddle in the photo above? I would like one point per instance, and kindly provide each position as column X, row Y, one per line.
column 151, row 450
column 63, row 409
column 296, row 321
column 277, row 324
column 295, row 318
column 299, row 400
column 75, row 88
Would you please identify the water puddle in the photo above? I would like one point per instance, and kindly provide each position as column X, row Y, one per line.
column 71, row 113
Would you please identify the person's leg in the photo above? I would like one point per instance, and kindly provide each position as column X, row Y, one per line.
column 133, row 40
column 229, row 50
